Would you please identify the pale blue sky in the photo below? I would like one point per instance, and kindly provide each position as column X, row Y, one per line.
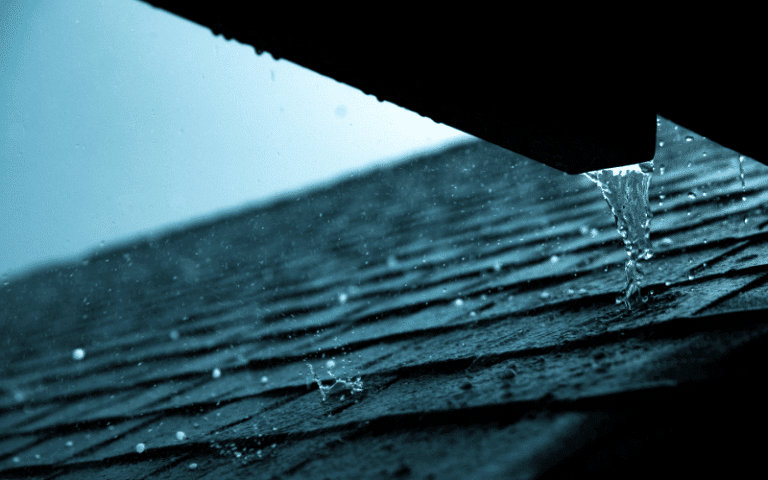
column 118, row 120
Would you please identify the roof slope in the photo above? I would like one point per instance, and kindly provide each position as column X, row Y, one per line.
column 473, row 293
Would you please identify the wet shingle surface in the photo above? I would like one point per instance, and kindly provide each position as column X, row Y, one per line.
column 472, row 291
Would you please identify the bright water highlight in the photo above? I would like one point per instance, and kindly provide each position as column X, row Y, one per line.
column 626, row 191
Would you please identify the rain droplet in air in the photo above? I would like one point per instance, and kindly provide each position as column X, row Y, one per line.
column 181, row 435
column 343, row 298
column 216, row 373
column 741, row 173
column 78, row 354
column 743, row 185
column 140, row 447
column 458, row 302
column 688, row 138
column 626, row 191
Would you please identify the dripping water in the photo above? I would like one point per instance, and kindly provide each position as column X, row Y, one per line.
column 741, row 175
column 626, row 191
column 743, row 185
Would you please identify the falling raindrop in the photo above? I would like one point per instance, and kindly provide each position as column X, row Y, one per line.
column 216, row 373
column 688, row 138
column 181, row 435
column 192, row 466
column 174, row 335
column 78, row 354
column 264, row 379
column 743, row 186
column 343, row 298
column 741, row 173
column 140, row 447
column 458, row 302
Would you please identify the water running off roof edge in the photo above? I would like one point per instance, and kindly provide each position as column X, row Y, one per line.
column 626, row 191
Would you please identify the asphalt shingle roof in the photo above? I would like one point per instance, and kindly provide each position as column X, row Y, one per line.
column 472, row 291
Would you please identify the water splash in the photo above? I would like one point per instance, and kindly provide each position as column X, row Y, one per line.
column 355, row 386
column 626, row 191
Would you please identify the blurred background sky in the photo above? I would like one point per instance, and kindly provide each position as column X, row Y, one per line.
column 119, row 120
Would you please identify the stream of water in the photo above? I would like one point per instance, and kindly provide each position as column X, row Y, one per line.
column 626, row 191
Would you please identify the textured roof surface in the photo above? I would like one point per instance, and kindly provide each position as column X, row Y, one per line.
column 472, row 291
